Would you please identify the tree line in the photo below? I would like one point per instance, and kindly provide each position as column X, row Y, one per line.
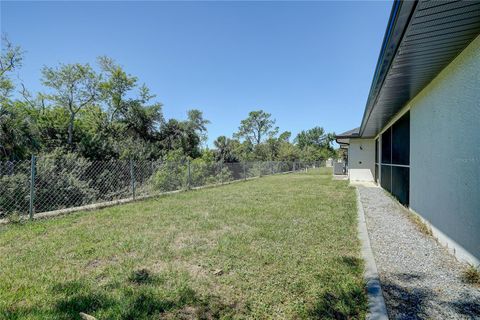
column 101, row 112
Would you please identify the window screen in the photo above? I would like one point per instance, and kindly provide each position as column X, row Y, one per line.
column 386, row 181
column 395, row 161
column 400, row 183
column 401, row 140
column 387, row 146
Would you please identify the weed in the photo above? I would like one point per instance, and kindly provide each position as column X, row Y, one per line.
column 471, row 274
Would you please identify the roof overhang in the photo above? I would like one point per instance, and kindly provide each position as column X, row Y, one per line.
column 421, row 39
column 343, row 139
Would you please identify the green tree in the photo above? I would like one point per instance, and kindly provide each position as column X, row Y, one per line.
column 74, row 87
column 315, row 144
column 115, row 86
column 312, row 137
column 10, row 59
column 198, row 123
column 18, row 131
column 179, row 135
column 224, row 149
column 142, row 121
column 285, row 136
column 18, row 135
column 288, row 152
column 256, row 127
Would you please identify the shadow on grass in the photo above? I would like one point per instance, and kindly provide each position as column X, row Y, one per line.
column 346, row 298
column 344, row 302
column 142, row 300
column 353, row 263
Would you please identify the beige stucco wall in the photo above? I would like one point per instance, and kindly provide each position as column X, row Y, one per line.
column 445, row 152
column 361, row 159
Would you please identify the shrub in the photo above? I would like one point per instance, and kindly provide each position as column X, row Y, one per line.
column 62, row 181
column 172, row 173
column 14, row 193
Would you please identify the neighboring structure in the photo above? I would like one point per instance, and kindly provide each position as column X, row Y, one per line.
column 419, row 134
column 329, row 163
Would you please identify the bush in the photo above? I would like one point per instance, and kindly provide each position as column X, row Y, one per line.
column 14, row 187
column 173, row 173
column 62, row 181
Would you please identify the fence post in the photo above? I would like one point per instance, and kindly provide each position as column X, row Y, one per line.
column 221, row 172
column 244, row 171
column 132, row 178
column 31, row 208
column 189, row 176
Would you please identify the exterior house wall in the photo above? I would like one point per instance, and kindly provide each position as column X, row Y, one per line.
column 445, row 154
column 361, row 159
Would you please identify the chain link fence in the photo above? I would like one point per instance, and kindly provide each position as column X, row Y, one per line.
column 46, row 184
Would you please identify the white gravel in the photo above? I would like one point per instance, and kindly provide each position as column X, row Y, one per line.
column 420, row 279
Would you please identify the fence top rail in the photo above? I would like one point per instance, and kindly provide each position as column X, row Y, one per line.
column 35, row 186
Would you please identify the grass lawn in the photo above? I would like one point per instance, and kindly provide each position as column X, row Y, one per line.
column 279, row 247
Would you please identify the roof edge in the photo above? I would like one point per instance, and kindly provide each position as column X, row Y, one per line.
column 400, row 17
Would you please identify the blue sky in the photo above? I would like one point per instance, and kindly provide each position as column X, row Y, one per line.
column 308, row 63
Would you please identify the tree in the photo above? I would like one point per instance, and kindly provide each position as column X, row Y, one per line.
column 224, row 149
column 74, row 87
column 288, row 152
column 178, row 135
column 285, row 136
column 312, row 137
column 18, row 131
column 10, row 59
column 315, row 144
column 198, row 123
column 17, row 126
column 142, row 121
column 131, row 116
column 243, row 151
column 114, row 88
column 256, row 127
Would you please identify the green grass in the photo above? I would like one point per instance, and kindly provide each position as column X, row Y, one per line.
column 279, row 247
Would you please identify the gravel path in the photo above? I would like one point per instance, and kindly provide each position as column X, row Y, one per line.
column 420, row 279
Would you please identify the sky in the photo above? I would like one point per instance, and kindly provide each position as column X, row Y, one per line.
column 307, row 63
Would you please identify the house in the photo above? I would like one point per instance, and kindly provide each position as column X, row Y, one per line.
column 419, row 138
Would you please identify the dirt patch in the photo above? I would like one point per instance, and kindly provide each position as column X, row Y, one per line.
column 99, row 263
column 207, row 308
column 94, row 264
